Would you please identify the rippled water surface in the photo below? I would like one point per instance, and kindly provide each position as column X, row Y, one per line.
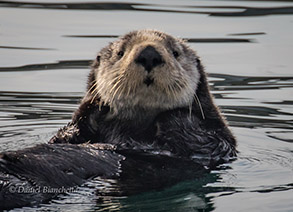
column 246, row 46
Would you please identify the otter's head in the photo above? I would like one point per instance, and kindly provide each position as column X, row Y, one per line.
column 148, row 69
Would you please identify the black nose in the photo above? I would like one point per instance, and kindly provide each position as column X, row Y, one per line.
column 149, row 58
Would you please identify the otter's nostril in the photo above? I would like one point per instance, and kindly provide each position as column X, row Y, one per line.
column 141, row 60
column 149, row 57
column 157, row 61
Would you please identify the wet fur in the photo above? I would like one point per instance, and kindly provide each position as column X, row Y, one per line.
column 49, row 167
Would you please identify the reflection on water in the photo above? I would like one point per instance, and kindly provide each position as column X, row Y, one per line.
column 70, row 64
column 46, row 50
column 244, row 11
column 26, row 118
column 23, row 48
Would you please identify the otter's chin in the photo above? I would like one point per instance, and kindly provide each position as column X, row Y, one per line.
column 150, row 96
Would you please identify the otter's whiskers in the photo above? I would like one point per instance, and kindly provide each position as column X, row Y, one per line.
column 200, row 107
column 90, row 89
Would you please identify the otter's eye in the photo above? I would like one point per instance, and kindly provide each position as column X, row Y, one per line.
column 120, row 54
column 98, row 58
column 176, row 54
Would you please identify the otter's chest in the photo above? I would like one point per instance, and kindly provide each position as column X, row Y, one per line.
column 122, row 131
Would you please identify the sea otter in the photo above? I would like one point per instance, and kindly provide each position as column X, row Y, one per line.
column 147, row 97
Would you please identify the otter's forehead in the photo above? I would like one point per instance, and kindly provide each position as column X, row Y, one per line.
column 149, row 36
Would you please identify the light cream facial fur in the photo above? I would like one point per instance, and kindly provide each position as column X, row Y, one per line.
column 120, row 80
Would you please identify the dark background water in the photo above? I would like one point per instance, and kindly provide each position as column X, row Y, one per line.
column 246, row 47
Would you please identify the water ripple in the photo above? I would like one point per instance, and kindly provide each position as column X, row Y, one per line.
column 25, row 48
column 233, row 11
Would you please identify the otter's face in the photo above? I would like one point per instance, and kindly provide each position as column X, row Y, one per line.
column 149, row 69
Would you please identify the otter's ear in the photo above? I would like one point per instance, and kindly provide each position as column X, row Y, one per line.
column 96, row 62
column 198, row 64
column 98, row 58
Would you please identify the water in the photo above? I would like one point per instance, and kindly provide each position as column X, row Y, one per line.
column 246, row 47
